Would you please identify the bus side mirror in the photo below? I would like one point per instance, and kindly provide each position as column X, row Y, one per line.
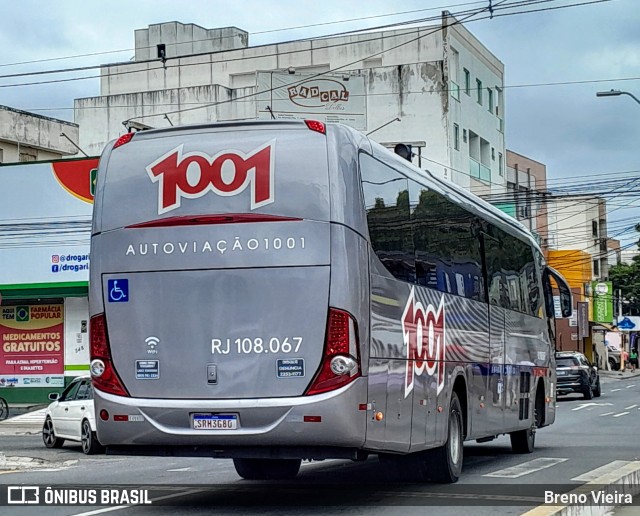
column 566, row 299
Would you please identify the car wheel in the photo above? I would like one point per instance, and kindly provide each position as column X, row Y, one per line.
column 588, row 392
column 597, row 391
column 49, row 435
column 613, row 365
column 90, row 444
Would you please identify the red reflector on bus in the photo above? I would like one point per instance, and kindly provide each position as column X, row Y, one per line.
column 120, row 417
column 200, row 220
column 125, row 138
column 313, row 419
column 316, row 126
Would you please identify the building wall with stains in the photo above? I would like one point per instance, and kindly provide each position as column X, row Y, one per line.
column 407, row 76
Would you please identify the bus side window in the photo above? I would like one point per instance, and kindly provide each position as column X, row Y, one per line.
column 498, row 290
column 386, row 199
column 448, row 255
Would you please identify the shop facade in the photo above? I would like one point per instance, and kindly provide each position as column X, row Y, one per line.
column 45, row 228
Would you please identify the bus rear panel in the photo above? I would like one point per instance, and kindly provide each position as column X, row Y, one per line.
column 212, row 318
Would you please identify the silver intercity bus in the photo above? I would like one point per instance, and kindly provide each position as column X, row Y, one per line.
column 278, row 291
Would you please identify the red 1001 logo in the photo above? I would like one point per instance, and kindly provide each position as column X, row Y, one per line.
column 228, row 173
column 424, row 335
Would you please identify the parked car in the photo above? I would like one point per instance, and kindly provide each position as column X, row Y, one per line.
column 576, row 374
column 71, row 417
column 613, row 356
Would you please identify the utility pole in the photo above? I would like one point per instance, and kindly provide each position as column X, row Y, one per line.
column 619, row 302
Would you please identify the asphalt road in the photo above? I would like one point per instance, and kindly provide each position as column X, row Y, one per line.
column 589, row 438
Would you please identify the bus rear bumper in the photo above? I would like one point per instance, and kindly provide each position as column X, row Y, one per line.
column 239, row 452
column 166, row 426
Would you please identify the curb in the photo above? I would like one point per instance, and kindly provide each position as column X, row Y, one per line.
column 624, row 481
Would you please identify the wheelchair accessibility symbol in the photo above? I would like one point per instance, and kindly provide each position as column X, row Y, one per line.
column 118, row 290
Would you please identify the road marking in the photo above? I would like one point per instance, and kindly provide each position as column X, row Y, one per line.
column 612, row 467
column 631, row 406
column 615, row 390
column 118, row 507
column 629, row 386
column 591, row 404
column 526, row 468
column 608, row 413
column 179, row 469
column 36, row 416
column 621, row 414
column 624, row 476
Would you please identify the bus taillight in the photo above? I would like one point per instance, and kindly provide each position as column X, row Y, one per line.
column 341, row 360
column 103, row 374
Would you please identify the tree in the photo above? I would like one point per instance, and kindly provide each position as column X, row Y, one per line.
column 626, row 277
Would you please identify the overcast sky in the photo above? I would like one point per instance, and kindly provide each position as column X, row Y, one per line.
column 563, row 126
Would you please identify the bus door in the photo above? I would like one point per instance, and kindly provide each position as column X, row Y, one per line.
column 498, row 298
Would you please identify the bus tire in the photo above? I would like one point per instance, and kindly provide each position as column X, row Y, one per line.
column 524, row 441
column 267, row 469
column 444, row 464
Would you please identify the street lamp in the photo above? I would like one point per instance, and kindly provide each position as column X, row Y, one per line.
column 616, row 93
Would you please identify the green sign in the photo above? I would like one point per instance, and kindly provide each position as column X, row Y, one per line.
column 602, row 292
column 93, row 174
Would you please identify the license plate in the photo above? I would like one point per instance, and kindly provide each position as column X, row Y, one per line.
column 214, row 422
column 561, row 373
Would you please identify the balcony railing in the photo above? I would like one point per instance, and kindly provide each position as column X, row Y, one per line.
column 485, row 173
column 479, row 171
column 474, row 168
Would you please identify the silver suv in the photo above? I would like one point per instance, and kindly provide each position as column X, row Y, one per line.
column 613, row 355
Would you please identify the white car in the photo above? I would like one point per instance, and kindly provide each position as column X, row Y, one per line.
column 71, row 417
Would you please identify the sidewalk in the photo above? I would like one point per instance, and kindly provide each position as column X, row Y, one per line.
column 618, row 375
column 22, row 412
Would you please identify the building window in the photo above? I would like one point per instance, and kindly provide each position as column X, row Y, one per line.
column 594, row 228
column 467, row 82
column 493, row 154
column 500, row 165
column 456, row 136
column 596, row 268
column 1, row 155
column 453, row 74
column 479, row 90
column 490, row 100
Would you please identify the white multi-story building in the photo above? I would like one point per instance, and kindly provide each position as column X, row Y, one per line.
column 25, row 136
column 436, row 88
column 579, row 222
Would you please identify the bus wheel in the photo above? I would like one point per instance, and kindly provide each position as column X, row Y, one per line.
column 444, row 464
column 267, row 469
column 524, row 441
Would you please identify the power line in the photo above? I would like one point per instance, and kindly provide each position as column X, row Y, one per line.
column 250, row 34
column 280, row 53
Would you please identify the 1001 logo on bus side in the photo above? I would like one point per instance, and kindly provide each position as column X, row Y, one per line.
column 423, row 331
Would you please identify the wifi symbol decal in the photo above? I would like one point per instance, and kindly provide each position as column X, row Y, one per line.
column 152, row 344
